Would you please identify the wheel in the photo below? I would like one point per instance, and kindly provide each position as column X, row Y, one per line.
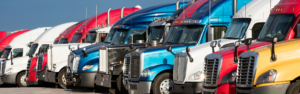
column 162, row 84
column 21, row 79
column 120, row 85
column 294, row 88
column 62, row 81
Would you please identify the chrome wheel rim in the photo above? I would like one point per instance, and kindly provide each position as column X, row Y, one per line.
column 166, row 86
column 64, row 79
column 23, row 80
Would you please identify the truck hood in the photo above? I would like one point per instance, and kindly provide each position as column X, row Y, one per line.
column 91, row 48
column 228, row 55
column 19, row 64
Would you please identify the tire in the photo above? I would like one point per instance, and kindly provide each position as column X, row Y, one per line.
column 21, row 79
column 101, row 89
column 120, row 86
column 62, row 81
column 163, row 84
column 294, row 88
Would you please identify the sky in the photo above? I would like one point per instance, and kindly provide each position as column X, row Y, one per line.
column 31, row 14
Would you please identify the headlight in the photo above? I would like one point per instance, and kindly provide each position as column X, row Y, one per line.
column 197, row 76
column 267, row 77
column 145, row 73
column 229, row 78
column 86, row 67
column 10, row 70
column 34, row 68
column 75, row 64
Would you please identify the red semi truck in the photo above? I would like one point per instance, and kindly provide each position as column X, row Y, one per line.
column 221, row 67
column 68, row 34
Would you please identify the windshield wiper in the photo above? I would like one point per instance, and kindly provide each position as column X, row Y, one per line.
column 230, row 38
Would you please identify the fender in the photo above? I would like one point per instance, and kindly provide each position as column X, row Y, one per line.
column 155, row 70
column 92, row 59
column 227, row 70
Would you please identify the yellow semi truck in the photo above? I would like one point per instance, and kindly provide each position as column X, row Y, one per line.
column 270, row 69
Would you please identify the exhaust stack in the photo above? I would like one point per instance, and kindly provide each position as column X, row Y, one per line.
column 234, row 7
column 177, row 4
column 122, row 11
column 108, row 17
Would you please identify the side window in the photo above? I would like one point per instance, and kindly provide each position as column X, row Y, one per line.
column 45, row 47
column 139, row 34
column 102, row 37
column 256, row 30
column 18, row 52
column 219, row 32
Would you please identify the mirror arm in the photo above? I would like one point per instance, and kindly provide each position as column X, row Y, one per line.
column 273, row 56
column 191, row 59
column 235, row 60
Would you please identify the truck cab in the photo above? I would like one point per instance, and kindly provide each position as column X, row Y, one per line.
column 150, row 70
column 125, row 35
column 276, row 64
column 57, row 55
column 39, row 46
column 67, row 35
column 13, row 54
column 188, row 73
column 281, row 23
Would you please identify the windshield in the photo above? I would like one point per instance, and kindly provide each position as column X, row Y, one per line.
column 32, row 49
column 6, row 53
column 91, row 38
column 1, row 53
column 120, row 36
column 156, row 33
column 174, row 34
column 76, row 38
column 237, row 28
column 63, row 41
column 277, row 25
column 190, row 34
column 110, row 35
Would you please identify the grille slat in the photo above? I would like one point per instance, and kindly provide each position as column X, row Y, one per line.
column 245, row 71
column 28, row 67
column 127, row 64
column 39, row 65
column 211, row 70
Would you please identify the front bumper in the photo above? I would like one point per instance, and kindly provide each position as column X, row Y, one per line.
column 30, row 83
column 229, row 88
column 271, row 89
column 188, row 87
column 84, row 79
column 125, row 82
column 142, row 87
column 103, row 80
column 10, row 78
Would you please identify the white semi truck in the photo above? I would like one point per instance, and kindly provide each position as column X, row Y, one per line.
column 13, row 71
column 246, row 23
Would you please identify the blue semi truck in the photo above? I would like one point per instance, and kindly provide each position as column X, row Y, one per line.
column 150, row 70
column 83, row 63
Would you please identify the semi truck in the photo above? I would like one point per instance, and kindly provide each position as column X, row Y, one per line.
column 151, row 69
column 135, row 24
column 272, row 68
column 57, row 55
column 68, row 34
column 39, row 46
column 281, row 23
column 189, row 73
column 7, row 39
column 13, row 65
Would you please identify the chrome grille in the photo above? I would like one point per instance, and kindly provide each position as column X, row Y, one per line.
column 103, row 60
column 70, row 62
column 1, row 68
column 126, row 65
column 212, row 67
column 28, row 67
column 245, row 71
column 135, row 66
column 39, row 64
column 180, row 64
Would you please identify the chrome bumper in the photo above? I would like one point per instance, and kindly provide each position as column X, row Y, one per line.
column 139, row 87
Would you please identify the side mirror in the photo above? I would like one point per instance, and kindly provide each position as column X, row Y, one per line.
column 213, row 44
column 223, row 34
column 273, row 56
column 84, row 54
column 298, row 30
column 248, row 42
column 78, row 46
column 130, row 39
column 236, row 45
column 210, row 34
column 69, row 47
column 188, row 53
column 11, row 58
column 83, row 40
column 169, row 49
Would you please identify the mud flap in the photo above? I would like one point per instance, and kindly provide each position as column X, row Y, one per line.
column 103, row 80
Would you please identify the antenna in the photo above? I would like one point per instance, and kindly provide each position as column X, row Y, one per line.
column 245, row 20
column 96, row 16
column 209, row 13
column 85, row 18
